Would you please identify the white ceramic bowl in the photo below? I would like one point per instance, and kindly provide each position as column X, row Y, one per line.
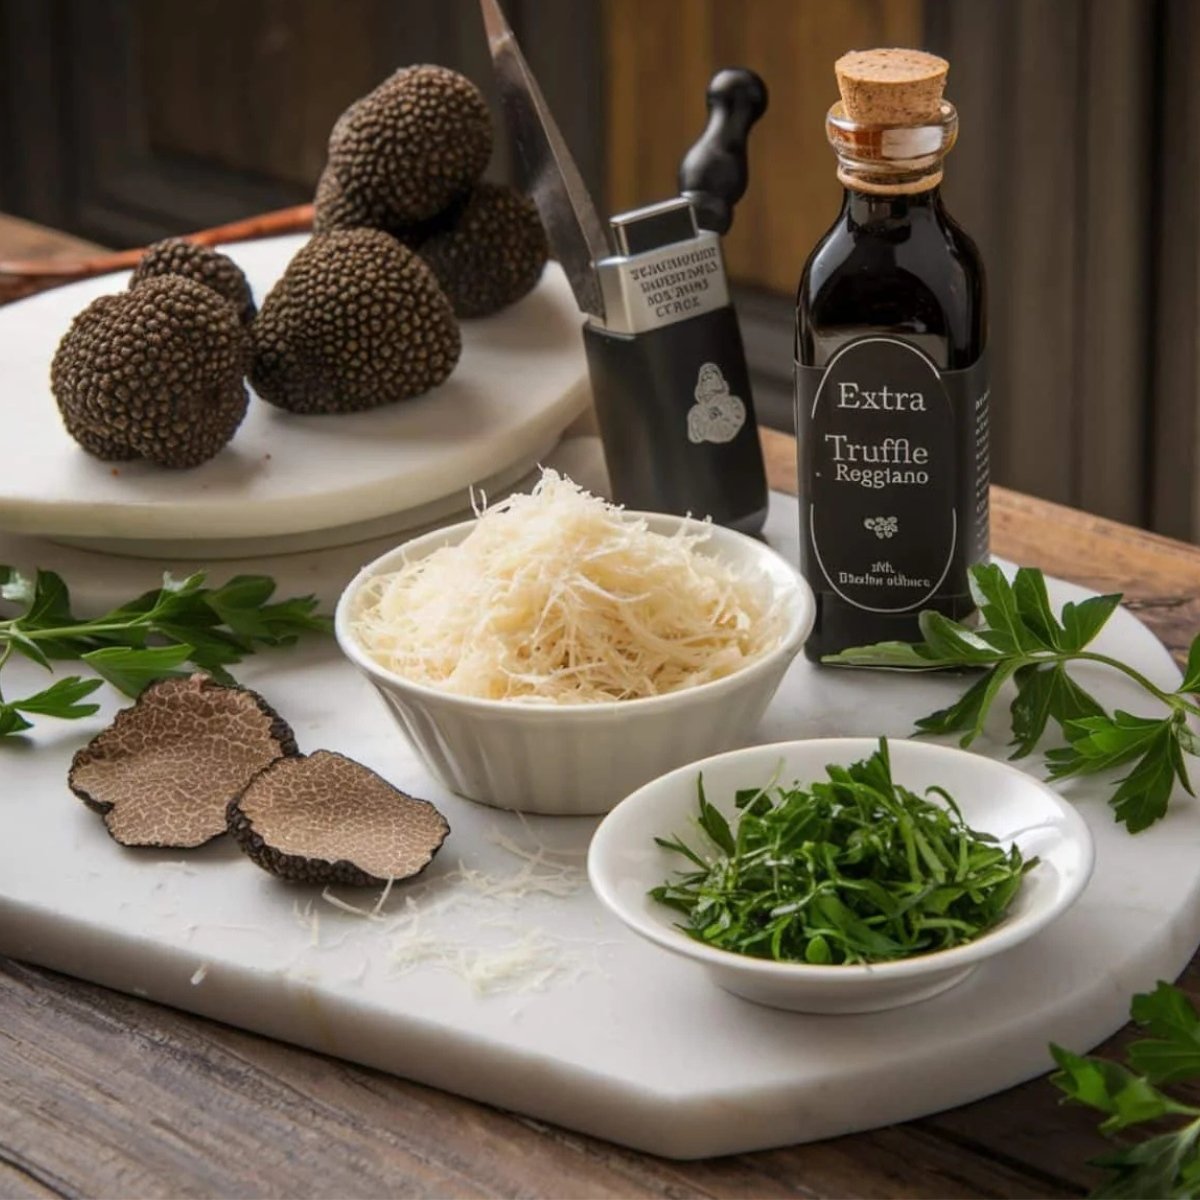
column 624, row 864
column 580, row 759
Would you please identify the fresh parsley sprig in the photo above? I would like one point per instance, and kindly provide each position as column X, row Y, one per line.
column 1167, row 1164
column 148, row 638
column 1021, row 641
column 850, row 869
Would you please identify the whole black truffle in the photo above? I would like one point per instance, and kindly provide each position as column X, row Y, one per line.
column 492, row 254
column 356, row 321
column 177, row 256
column 403, row 152
column 153, row 373
column 333, row 208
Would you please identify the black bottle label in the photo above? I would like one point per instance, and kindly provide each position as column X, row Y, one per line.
column 893, row 475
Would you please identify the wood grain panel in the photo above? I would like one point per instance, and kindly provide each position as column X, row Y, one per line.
column 660, row 58
column 262, row 101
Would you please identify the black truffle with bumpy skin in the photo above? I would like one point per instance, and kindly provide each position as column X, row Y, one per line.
column 357, row 321
column 492, row 252
column 405, row 151
column 177, row 256
column 154, row 373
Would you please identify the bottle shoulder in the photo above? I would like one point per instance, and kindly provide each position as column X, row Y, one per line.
column 919, row 274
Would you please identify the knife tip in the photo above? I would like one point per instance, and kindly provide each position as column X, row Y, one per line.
column 494, row 22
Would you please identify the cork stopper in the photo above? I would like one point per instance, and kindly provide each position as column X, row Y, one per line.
column 891, row 87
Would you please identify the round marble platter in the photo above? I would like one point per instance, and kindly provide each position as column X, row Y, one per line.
column 289, row 482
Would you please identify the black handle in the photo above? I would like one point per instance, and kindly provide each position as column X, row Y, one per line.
column 713, row 174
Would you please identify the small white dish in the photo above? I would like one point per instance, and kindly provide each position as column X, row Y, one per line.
column 580, row 759
column 624, row 863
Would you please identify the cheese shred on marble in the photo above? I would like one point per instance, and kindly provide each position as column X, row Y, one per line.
column 559, row 597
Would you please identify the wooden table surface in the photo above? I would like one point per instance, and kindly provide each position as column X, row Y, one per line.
column 105, row 1095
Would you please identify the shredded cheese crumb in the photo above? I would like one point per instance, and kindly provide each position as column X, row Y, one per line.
column 559, row 597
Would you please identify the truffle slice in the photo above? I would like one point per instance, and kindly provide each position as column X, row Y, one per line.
column 153, row 373
column 324, row 818
column 407, row 149
column 492, row 255
column 356, row 321
column 163, row 773
column 178, row 256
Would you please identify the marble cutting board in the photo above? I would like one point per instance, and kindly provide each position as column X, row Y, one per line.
column 289, row 482
column 605, row 1033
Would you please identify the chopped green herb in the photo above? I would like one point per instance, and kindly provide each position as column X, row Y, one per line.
column 1166, row 1164
column 172, row 630
column 1020, row 639
column 854, row 869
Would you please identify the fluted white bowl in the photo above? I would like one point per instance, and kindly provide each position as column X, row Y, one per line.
column 579, row 759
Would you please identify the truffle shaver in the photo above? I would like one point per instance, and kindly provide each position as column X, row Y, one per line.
column 668, row 370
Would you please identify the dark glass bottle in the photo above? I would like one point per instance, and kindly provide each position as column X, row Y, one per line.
column 891, row 394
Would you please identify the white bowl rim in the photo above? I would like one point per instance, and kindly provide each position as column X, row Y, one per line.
column 845, row 749
column 801, row 614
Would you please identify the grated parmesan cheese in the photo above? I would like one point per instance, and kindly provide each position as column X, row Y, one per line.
column 559, row 597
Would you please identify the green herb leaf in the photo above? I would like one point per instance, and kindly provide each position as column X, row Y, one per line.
column 23, row 644
column 1045, row 692
column 1109, row 1087
column 1164, row 1166
column 146, row 638
column 901, row 656
column 1084, row 620
column 854, row 868
column 954, row 642
column 1033, row 602
column 11, row 721
column 1006, row 629
column 1167, row 1164
column 61, row 699
column 1019, row 637
column 130, row 670
column 970, row 713
column 1191, row 675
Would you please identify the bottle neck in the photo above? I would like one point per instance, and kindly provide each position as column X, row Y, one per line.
column 892, row 160
column 871, row 208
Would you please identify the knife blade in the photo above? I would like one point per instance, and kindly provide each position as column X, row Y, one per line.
column 576, row 233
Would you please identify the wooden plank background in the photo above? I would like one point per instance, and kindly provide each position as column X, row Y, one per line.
column 661, row 55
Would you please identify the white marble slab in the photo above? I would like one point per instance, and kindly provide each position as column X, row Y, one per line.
column 621, row 1040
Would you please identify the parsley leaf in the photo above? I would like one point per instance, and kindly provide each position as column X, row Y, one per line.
column 1167, row 1164
column 1020, row 639
column 173, row 629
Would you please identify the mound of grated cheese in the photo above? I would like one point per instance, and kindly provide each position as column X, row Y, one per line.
column 559, row 597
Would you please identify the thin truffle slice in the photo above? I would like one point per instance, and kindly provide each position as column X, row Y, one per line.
column 178, row 256
column 492, row 254
column 324, row 818
column 163, row 773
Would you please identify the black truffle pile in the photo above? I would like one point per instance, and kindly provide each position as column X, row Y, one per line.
column 407, row 159
column 157, row 372
column 406, row 238
column 356, row 321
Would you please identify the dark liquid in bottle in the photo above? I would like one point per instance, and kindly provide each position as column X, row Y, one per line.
column 891, row 395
